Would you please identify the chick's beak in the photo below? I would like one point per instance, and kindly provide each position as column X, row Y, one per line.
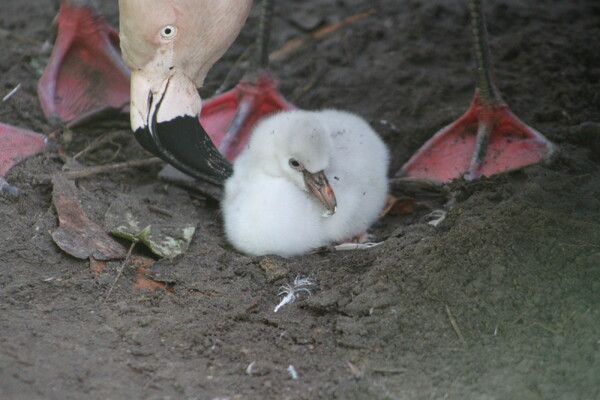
column 319, row 186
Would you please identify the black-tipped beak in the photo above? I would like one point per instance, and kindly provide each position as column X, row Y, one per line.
column 182, row 142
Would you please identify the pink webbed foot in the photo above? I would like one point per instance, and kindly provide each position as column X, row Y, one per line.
column 85, row 74
column 488, row 139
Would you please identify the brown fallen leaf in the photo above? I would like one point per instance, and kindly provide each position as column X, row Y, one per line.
column 77, row 235
column 145, row 282
column 97, row 267
column 144, row 279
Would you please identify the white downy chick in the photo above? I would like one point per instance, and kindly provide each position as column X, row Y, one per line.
column 307, row 179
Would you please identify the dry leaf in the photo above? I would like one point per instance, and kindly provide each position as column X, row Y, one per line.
column 77, row 235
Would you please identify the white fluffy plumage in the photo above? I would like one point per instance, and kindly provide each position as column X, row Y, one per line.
column 268, row 208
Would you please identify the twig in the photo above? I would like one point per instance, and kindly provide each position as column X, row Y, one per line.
column 160, row 210
column 96, row 115
column 229, row 78
column 11, row 93
column 356, row 371
column 102, row 169
column 208, row 187
column 296, row 43
column 252, row 305
column 120, row 271
column 97, row 143
column 454, row 324
column 5, row 32
column 544, row 327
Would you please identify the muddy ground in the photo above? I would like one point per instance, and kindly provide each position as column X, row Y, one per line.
column 515, row 264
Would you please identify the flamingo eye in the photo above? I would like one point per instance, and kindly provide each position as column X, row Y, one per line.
column 168, row 32
column 295, row 164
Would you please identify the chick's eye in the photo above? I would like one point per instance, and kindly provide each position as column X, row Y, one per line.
column 168, row 31
column 295, row 164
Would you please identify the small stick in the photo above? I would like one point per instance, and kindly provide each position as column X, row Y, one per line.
column 252, row 305
column 120, row 272
column 102, row 169
column 454, row 324
column 5, row 32
column 296, row 43
column 159, row 210
column 544, row 327
column 227, row 82
column 106, row 138
column 355, row 370
column 11, row 93
column 96, row 115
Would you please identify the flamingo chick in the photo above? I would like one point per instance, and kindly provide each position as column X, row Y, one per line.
column 306, row 179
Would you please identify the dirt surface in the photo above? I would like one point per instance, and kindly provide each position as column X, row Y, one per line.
column 515, row 265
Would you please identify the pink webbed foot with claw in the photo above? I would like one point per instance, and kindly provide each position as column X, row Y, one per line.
column 488, row 139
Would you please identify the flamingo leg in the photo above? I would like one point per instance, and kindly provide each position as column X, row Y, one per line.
column 230, row 117
column 488, row 139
